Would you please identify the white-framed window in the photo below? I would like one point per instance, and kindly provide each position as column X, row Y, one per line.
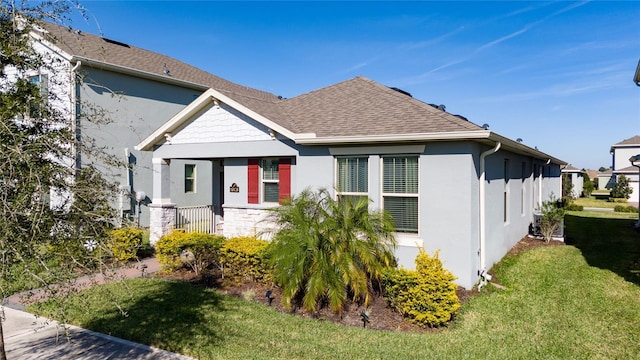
column 42, row 82
column 352, row 177
column 189, row 178
column 400, row 191
column 270, row 179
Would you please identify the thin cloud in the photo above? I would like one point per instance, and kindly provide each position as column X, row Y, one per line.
column 362, row 64
column 423, row 44
column 512, row 35
column 501, row 40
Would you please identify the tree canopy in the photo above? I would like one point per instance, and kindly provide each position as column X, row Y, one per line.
column 50, row 203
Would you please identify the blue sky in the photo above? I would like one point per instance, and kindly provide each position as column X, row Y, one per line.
column 556, row 74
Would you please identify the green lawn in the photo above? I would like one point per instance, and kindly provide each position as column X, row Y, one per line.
column 578, row 301
column 596, row 203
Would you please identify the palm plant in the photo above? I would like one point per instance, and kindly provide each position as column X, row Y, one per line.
column 326, row 250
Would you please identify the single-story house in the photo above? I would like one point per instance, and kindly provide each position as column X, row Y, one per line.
column 606, row 180
column 448, row 183
column 573, row 176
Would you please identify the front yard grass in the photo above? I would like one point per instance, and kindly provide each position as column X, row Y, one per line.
column 593, row 202
column 577, row 301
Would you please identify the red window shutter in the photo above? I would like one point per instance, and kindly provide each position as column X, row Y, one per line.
column 253, row 181
column 284, row 174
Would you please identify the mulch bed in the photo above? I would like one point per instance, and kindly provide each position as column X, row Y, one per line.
column 381, row 316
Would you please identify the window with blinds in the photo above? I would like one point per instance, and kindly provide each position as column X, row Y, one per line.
column 400, row 191
column 352, row 177
column 270, row 180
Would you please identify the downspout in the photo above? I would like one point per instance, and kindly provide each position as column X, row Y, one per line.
column 540, row 183
column 482, row 227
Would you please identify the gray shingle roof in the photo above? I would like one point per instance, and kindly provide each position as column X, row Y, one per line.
column 635, row 140
column 361, row 107
column 570, row 168
column 356, row 107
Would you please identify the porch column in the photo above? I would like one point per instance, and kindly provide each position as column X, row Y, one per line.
column 162, row 211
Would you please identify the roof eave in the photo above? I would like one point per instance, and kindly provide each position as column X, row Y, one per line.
column 524, row 149
column 137, row 73
column 391, row 138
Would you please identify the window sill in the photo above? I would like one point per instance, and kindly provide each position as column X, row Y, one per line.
column 412, row 240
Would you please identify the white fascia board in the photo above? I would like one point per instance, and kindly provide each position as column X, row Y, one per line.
column 37, row 37
column 259, row 118
column 176, row 121
column 514, row 145
column 391, row 138
column 136, row 73
column 207, row 98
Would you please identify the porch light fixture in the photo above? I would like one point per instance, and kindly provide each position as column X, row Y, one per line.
column 635, row 161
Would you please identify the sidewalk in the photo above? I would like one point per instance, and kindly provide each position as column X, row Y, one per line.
column 29, row 337
column 146, row 266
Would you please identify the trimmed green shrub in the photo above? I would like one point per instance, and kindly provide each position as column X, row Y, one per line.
column 552, row 216
column 125, row 242
column 195, row 250
column 625, row 209
column 244, row 258
column 573, row 207
column 426, row 296
column 618, row 200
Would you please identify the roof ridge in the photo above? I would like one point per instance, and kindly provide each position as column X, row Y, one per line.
column 419, row 103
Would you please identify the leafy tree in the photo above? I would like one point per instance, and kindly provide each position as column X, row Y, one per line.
column 326, row 251
column 603, row 169
column 567, row 186
column 587, row 185
column 49, row 205
column 621, row 189
column 552, row 216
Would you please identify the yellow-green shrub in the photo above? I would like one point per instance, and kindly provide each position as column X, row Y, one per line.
column 426, row 296
column 243, row 258
column 196, row 250
column 125, row 242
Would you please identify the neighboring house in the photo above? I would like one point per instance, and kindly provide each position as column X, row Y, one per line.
column 606, row 180
column 621, row 152
column 449, row 184
column 574, row 177
column 135, row 90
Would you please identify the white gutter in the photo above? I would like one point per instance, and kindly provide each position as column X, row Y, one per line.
column 482, row 225
column 453, row 135
column 139, row 73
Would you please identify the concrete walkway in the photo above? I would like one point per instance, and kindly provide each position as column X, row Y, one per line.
column 29, row 337
column 598, row 209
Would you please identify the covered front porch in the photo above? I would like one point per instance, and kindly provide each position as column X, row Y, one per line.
column 204, row 195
